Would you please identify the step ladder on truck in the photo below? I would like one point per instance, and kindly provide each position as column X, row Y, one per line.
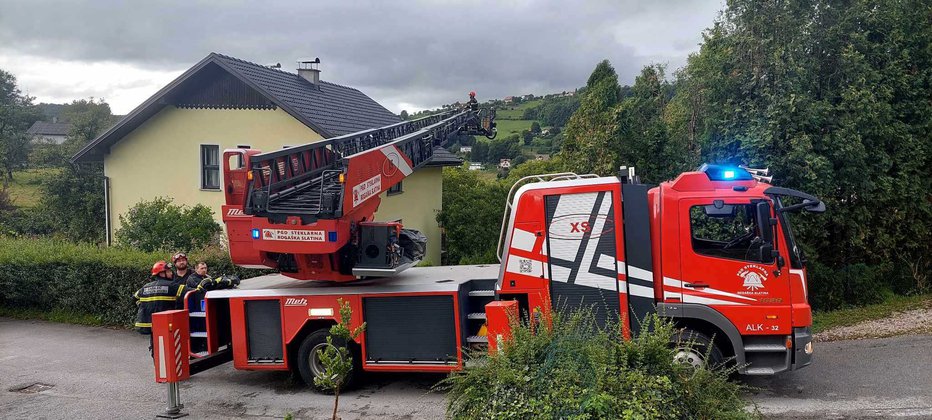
column 712, row 250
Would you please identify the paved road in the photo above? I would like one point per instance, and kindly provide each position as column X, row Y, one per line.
column 103, row 373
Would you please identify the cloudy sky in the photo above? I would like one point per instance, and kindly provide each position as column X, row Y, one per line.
column 407, row 54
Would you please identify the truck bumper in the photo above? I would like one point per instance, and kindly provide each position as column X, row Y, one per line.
column 802, row 347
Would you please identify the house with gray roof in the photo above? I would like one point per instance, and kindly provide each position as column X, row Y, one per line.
column 171, row 144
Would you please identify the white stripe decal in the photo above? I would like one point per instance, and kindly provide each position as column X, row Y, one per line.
column 606, row 262
column 802, row 279
column 641, row 291
column 687, row 298
column 162, row 357
column 526, row 266
column 640, row 273
column 397, row 158
column 677, row 283
column 523, row 240
column 621, row 267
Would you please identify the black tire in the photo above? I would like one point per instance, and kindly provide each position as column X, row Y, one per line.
column 308, row 367
column 695, row 348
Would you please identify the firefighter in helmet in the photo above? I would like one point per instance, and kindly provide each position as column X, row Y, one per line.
column 162, row 293
column 472, row 104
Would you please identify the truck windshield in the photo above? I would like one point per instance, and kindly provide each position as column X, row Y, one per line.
column 797, row 257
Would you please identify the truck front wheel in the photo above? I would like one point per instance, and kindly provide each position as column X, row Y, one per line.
column 696, row 349
column 309, row 363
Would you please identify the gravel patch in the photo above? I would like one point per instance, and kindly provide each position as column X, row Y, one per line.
column 915, row 321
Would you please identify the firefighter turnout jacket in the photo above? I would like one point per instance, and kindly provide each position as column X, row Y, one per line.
column 158, row 295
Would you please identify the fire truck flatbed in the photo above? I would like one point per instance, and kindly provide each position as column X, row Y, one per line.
column 414, row 280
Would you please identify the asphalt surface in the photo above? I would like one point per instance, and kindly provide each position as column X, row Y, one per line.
column 98, row 373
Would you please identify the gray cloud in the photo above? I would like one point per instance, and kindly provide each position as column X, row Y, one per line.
column 414, row 52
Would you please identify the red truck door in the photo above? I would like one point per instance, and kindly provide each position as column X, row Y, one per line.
column 722, row 266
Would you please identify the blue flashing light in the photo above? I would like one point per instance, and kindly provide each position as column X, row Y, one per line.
column 255, row 234
column 332, row 236
column 725, row 173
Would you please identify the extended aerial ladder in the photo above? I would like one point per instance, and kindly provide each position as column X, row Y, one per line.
column 307, row 210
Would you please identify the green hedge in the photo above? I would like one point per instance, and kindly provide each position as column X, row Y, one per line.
column 48, row 274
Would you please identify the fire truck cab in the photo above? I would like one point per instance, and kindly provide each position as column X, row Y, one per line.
column 712, row 250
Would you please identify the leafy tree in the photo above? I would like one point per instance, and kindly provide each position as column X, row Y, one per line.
column 591, row 129
column 834, row 98
column 527, row 136
column 73, row 197
column 535, row 127
column 503, row 148
column 160, row 225
column 404, row 114
column 470, row 217
column 557, row 112
column 336, row 359
column 643, row 139
column 480, row 151
column 17, row 114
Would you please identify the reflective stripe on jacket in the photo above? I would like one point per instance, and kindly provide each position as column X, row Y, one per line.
column 158, row 295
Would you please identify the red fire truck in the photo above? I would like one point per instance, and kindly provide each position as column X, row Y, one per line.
column 713, row 250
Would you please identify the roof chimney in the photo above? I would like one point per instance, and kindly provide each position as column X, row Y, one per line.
column 310, row 70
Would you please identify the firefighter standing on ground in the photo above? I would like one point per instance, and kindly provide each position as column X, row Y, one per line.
column 162, row 293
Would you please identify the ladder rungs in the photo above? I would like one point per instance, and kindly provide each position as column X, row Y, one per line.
column 476, row 315
column 482, row 293
column 198, row 334
column 477, row 339
column 198, row 314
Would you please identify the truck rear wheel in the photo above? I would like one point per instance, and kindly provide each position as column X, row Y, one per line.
column 696, row 349
column 310, row 366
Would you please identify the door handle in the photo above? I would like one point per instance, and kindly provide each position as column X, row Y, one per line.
column 696, row 285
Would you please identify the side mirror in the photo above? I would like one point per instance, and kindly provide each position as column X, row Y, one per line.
column 764, row 222
column 814, row 207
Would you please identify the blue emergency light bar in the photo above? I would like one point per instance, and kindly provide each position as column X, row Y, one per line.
column 725, row 172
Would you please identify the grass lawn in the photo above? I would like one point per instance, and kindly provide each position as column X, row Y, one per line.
column 25, row 188
column 54, row 315
column 822, row 321
column 509, row 127
column 517, row 112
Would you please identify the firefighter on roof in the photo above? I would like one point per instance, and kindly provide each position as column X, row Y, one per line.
column 162, row 293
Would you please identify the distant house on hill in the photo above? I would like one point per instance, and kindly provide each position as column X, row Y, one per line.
column 475, row 166
column 509, row 99
column 224, row 103
column 465, row 149
column 52, row 132
column 504, row 163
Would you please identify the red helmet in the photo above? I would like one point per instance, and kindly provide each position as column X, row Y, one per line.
column 471, row 94
column 159, row 267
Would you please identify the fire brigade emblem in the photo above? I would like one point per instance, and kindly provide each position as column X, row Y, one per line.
column 753, row 278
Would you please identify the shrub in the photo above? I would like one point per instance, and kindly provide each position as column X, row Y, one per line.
column 576, row 370
column 851, row 285
column 48, row 274
column 161, row 225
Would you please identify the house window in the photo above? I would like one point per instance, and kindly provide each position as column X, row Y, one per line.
column 210, row 167
column 729, row 231
column 395, row 189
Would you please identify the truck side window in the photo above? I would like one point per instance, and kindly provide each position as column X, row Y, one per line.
column 725, row 231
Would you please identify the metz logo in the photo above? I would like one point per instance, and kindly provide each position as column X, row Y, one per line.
column 753, row 279
column 235, row 213
column 296, row 302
